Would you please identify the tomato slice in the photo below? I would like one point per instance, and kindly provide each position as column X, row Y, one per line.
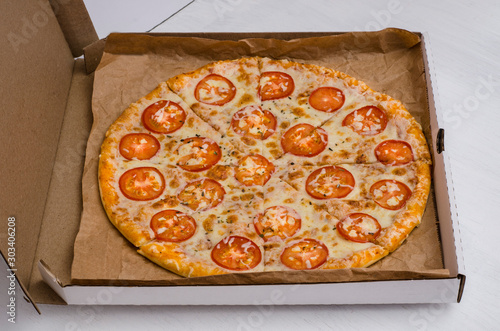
column 254, row 122
column 275, row 85
column 359, row 227
column 394, row 152
column 144, row 183
column 141, row 146
column 236, row 253
column 305, row 254
column 390, row 194
column 215, row 90
column 163, row 116
column 173, row 226
column 366, row 121
column 202, row 194
column 198, row 154
column 330, row 182
column 327, row 99
column 277, row 222
column 304, row 140
column 254, row 170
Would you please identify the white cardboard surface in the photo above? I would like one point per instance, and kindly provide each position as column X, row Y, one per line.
column 404, row 291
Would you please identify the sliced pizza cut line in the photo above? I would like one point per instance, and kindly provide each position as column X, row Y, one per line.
column 389, row 186
column 298, row 94
column 366, row 119
column 288, row 212
column 287, row 248
column 193, row 144
column 217, row 91
column 213, row 223
column 223, row 243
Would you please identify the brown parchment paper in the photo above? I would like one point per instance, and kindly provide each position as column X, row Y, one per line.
column 389, row 61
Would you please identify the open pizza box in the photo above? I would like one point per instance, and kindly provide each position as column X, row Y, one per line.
column 47, row 116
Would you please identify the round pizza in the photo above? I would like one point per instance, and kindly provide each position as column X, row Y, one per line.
column 256, row 164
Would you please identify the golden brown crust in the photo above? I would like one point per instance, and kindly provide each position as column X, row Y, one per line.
column 180, row 82
column 358, row 259
column 107, row 172
column 393, row 236
column 171, row 256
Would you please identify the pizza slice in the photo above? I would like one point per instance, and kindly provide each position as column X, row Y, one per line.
column 161, row 128
column 360, row 181
column 225, row 242
column 327, row 117
column 224, row 94
column 201, row 223
column 300, row 235
column 206, row 226
column 394, row 196
column 375, row 128
column 303, row 97
column 389, row 228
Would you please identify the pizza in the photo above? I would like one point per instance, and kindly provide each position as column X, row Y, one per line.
column 256, row 164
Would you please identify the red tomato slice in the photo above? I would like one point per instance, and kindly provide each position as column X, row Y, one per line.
column 254, row 122
column 327, row 99
column 215, row 90
column 277, row 222
column 359, row 227
column 198, row 154
column 163, row 116
column 254, row 170
column 394, row 152
column 202, row 194
column 144, row 183
column 366, row 121
column 304, row 140
column 173, row 226
column 141, row 146
column 330, row 182
column 390, row 194
column 305, row 254
column 275, row 85
column 236, row 253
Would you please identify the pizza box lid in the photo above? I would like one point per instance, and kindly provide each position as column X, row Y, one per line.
column 44, row 155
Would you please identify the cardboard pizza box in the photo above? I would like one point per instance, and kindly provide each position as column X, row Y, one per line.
column 46, row 90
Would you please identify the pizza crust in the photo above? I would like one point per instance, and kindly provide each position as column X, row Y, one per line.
column 170, row 257
column 360, row 259
column 393, row 236
column 235, row 216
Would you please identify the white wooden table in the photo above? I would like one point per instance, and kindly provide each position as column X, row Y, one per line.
column 465, row 41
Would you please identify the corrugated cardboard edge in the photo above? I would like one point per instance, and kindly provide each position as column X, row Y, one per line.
column 75, row 23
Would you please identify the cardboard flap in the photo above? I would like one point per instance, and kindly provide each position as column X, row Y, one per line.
column 38, row 63
column 93, row 54
column 75, row 23
column 64, row 197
